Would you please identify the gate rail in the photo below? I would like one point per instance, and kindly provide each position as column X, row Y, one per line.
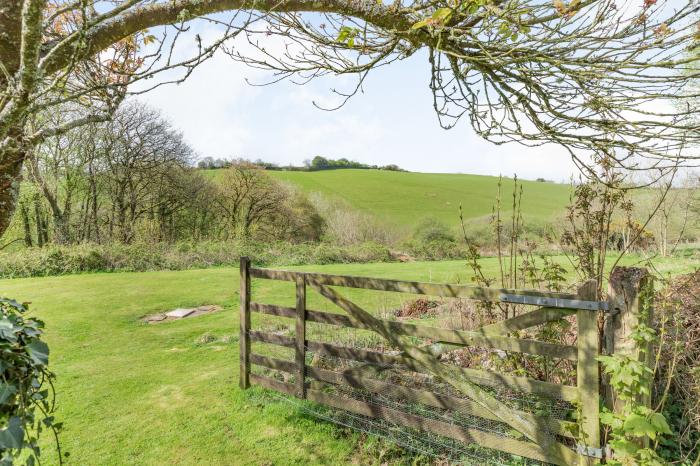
column 545, row 438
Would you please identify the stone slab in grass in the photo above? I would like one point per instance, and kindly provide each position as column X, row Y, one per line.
column 181, row 313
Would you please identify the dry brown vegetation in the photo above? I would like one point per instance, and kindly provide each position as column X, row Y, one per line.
column 677, row 315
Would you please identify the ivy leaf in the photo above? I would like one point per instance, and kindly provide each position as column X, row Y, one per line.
column 12, row 437
column 6, row 324
column 6, row 391
column 13, row 303
column 7, row 330
column 39, row 352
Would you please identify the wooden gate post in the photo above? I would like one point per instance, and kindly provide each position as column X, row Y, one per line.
column 244, row 336
column 588, row 377
column 301, row 335
column 625, row 296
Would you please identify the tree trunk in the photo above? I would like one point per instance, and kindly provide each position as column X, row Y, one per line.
column 27, row 226
column 93, row 204
column 11, row 161
column 40, row 233
column 61, row 225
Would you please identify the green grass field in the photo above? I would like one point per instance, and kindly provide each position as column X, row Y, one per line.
column 402, row 199
column 131, row 393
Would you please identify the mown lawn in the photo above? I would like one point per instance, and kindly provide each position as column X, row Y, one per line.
column 131, row 393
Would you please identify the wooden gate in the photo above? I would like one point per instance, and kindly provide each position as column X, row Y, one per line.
column 539, row 436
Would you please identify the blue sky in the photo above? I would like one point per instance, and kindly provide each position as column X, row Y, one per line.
column 391, row 122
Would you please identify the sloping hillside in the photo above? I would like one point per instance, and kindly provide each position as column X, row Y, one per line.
column 403, row 198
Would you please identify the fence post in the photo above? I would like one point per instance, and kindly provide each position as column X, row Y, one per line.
column 244, row 336
column 625, row 294
column 587, row 375
column 301, row 335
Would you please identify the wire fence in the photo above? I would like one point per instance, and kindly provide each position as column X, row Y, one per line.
column 443, row 450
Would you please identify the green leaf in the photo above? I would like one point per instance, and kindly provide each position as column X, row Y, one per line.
column 610, row 419
column 6, row 391
column 659, row 422
column 5, row 323
column 39, row 352
column 149, row 39
column 442, row 14
column 624, row 447
column 439, row 17
column 347, row 35
column 12, row 437
column 420, row 24
column 343, row 35
column 13, row 303
column 639, row 426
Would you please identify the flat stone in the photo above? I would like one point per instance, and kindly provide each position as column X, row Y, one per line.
column 208, row 308
column 179, row 313
column 156, row 318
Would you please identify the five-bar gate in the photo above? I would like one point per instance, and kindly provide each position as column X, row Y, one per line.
column 411, row 347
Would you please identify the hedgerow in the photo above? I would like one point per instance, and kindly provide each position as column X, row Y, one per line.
column 62, row 260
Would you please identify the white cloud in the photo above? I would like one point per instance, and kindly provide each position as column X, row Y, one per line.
column 392, row 121
column 343, row 136
column 206, row 107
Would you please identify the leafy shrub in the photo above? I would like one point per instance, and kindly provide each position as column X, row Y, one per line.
column 480, row 231
column 25, row 402
column 431, row 229
column 435, row 250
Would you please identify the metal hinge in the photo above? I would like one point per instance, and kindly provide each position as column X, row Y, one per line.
column 592, row 452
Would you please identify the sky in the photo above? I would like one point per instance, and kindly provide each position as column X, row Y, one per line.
column 391, row 122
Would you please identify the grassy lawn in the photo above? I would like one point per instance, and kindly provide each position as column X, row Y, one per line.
column 131, row 393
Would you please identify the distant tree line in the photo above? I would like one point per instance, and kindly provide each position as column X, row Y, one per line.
column 318, row 163
column 321, row 163
column 131, row 179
